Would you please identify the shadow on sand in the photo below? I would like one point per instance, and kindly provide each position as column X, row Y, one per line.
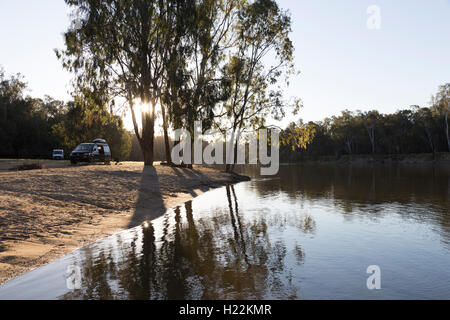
column 150, row 203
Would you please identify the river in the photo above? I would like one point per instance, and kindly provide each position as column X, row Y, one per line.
column 311, row 232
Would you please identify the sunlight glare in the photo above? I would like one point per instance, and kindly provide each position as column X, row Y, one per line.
column 139, row 109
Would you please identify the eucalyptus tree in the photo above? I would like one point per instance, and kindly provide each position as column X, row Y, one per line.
column 371, row 120
column 345, row 130
column 425, row 126
column 262, row 36
column 119, row 46
column 11, row 108
column 173, row 54
column 197, row 81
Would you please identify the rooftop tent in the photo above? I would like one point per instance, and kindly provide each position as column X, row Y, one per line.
column 99, row 141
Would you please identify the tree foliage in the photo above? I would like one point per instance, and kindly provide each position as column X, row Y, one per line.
column 413, row 130
column 32, row 128
column 201, row 60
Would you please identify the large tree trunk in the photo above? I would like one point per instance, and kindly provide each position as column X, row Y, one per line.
column 235, row 156
column 147, row 152
column 166, row 136
column 229, row 166
column 147, row 137
column 191, row 129
column 148, row 133
column 236, row 148
column 147, row 141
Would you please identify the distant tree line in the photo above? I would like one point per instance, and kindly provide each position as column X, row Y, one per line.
column 413, row 130
column 32, row 128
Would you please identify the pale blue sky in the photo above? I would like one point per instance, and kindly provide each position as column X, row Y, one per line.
column 343, row 63
column 346, row 65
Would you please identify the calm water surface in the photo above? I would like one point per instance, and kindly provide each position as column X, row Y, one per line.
column 309, row 233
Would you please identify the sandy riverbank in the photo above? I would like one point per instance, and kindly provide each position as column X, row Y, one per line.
column 45, row 214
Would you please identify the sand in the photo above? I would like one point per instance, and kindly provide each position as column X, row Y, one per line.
column 45, row 214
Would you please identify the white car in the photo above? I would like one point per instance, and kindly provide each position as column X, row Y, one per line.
column 58, row 154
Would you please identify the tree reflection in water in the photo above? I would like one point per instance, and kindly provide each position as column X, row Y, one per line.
column 366, row 190
column 223, row 255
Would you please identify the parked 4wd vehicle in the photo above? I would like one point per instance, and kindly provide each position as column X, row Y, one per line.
column 97, row 151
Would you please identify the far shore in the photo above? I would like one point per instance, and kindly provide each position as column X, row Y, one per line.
column 45, row 214
column 419, row 158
